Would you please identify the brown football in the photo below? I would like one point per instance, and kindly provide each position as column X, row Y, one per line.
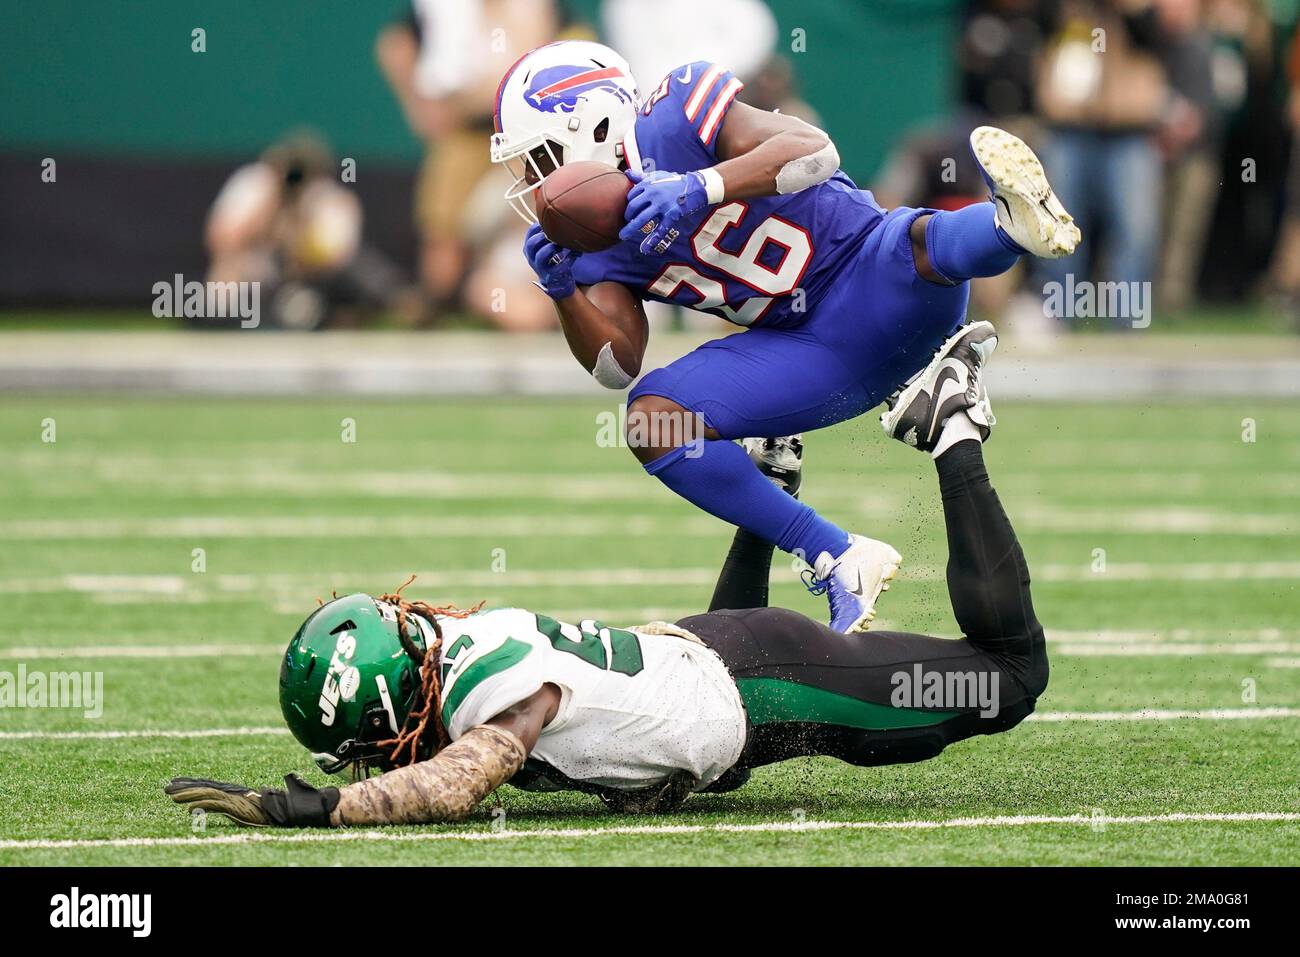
column 580, row 206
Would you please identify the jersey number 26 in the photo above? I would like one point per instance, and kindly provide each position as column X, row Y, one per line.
column 745, row 266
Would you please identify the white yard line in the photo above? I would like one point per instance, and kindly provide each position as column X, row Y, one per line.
column 1160, row 571
column 1174, row 649
column 143, row 733
column 1157, row 714
column 668, row 830
column 1126, row 636
column 1061, row 518
column 586, row 578
column 1175, row 643
column 1146, row 714
column 362, row 526
column 143, row 651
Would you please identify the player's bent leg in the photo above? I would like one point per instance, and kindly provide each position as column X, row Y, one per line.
column 718, row 476
column 897, row 697
column 743, row 581
column 747, row 385
column 965, row 243
column 985, row 239
column 886, row 698
column 988, row 577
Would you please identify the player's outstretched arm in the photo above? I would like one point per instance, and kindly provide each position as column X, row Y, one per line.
column 447, row 787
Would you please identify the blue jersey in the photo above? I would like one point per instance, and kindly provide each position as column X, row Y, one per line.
column 766, row 261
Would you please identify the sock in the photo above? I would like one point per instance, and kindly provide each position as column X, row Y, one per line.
column 723, row 481
column 957, row 428
column 967, row 242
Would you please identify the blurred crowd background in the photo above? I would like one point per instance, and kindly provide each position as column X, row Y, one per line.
column 338, row 153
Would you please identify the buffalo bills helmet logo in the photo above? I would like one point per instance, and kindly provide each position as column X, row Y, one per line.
column 557, row 89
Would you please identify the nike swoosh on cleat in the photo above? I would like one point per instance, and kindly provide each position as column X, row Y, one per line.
column 858, row 590
column 946, row 375
column 1006, row 206
column 686, row 77
column 938, row 398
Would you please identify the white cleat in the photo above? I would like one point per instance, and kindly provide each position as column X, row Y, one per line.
column 1025, row 207
column 854, row 581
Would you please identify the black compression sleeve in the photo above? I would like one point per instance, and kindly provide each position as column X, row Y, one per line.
column 744, row 578
column 988, row 579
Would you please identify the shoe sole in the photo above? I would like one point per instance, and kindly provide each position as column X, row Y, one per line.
column 889, row 419
column 1010, row 167
column 888, row 570
column 761, row 462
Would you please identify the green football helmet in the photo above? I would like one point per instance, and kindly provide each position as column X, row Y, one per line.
column 347, row 682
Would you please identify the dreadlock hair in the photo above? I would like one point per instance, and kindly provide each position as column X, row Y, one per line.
column 413, row 743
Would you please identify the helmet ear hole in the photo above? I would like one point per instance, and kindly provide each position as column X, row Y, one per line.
column 601, row 131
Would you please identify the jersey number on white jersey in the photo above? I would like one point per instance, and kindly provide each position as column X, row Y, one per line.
column 610, row 649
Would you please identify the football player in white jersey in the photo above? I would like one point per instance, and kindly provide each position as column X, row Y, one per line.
column 450, row 704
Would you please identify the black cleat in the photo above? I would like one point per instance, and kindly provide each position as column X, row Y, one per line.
column 780, row 459
column 953, row 382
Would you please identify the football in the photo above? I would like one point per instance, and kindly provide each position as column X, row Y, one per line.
column 580, row 206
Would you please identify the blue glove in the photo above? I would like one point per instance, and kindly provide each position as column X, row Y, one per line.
column 661, row 206
column 553, row 264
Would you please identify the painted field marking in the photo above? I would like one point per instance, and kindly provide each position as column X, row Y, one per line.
column 648, row 830
column 1146, row 714
column 1060, row 518
column 182, row 586
column 1175, row 643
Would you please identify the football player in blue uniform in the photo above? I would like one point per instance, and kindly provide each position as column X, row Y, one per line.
column 746, row 214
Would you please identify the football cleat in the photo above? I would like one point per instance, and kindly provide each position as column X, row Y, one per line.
column 1025, row 208
column 951, row 383
column 853, row 582
column 780, row 459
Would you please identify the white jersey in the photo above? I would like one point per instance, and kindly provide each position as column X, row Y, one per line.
column 634, row 707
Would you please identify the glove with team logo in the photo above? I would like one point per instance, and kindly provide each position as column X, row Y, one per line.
column 553, row 264
column 661, row 206
column 298, row 805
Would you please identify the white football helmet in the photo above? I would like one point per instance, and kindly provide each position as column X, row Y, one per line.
column 563, row 102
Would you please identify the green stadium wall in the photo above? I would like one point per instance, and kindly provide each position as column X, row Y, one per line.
column 118, row 77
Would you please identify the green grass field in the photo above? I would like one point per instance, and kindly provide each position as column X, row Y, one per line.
column 1165, row 549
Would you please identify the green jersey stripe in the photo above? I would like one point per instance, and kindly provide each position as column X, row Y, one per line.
column 768, row 700
column 510, row 653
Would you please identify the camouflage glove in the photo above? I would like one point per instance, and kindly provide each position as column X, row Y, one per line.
column 298, row 805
